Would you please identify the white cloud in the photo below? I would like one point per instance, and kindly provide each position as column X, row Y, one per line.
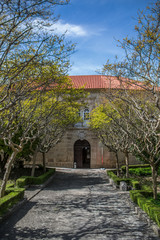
column 70, row 29
column 59, row 27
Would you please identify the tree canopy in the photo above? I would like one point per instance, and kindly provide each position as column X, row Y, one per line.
column 138, row 109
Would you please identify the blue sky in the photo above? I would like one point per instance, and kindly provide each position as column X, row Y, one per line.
column 94, row 25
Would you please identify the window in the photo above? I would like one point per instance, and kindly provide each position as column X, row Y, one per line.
column 86, row 114
column 84, row 117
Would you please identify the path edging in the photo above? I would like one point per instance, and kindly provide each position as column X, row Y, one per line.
column 20, row 203
column 140, row 213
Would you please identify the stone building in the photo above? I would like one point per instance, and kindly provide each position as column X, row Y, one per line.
column 79, row 147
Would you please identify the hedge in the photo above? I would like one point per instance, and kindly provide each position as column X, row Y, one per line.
column 143, row 198
column 14, row 195
column 123, row 168
column 135, row 184
column 130, row 181
column 139, row 170
column 146, row 203
column 146, row 187
column 27, row 180
column 6, row 202
column 10, row 185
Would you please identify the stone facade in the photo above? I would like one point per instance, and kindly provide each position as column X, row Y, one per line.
column 80, row 148
column 64, row 153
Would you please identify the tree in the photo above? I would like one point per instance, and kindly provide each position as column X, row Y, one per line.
column 109, row 126
column 57, row 116
column 30, row 61
column 4, row 154
column 137, row 126
column 56, row 108
column 142, row 54
column 55, row 129
column 27, row 52
column 145, row 132
column 141, row 66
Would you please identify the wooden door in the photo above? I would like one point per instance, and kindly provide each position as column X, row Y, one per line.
column 82, row 154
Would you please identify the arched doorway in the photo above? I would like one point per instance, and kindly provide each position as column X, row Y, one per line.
column 82, row 154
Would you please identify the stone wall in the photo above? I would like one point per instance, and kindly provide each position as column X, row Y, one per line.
column 62, row 155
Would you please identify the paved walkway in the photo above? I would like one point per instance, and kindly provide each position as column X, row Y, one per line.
column 77, row 205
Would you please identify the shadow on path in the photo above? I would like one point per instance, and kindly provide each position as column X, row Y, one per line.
column 76, row 205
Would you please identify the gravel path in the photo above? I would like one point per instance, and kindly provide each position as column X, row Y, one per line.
column 78, row 204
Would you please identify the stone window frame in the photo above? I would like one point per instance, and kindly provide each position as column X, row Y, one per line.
column 86, row 114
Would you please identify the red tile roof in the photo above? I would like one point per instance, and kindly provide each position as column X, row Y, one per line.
column 102, row 82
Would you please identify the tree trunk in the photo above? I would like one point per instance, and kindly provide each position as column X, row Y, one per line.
column 7, row 172
column 117, row 165
column 44, row 161
column 34, row 163
column 127, row 164
column 154, row 181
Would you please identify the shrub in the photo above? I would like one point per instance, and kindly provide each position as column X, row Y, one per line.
column 41, row 179
column 27, row 180
column 157, row 217
column 14, row 195
column 135, row 194
column 146, row 187
column 21, row 182
column 116, row 179
column 6, row 202
column 145, row 201
column 10, row 185
column 123, row 168
column 135, row 184
column 130, row 181
column 139, row 170
column 143, row 198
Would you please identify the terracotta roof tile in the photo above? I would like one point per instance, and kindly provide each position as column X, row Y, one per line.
column 102, row 82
